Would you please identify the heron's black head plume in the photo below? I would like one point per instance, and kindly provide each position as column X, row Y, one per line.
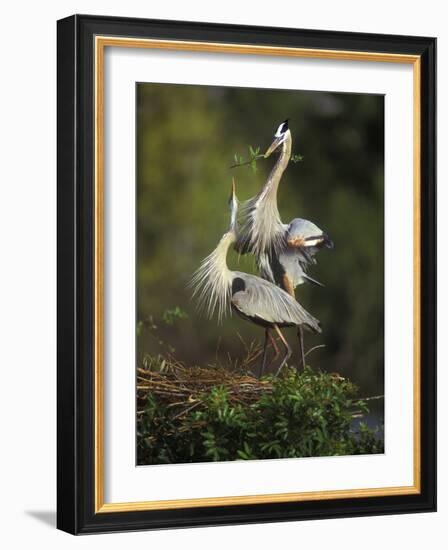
column 283, row 128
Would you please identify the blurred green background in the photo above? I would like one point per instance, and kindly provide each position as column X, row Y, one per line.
column 187, row 137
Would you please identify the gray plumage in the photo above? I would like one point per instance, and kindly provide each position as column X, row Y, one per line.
column 220, row 290
column 266, row 304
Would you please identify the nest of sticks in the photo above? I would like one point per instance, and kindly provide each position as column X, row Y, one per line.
column 185, row 388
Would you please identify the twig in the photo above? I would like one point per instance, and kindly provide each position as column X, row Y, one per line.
column 373, row 398
column 185, row 411
column 315, row 347
column 255, row 157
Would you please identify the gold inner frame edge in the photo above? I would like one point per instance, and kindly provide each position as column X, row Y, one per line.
column 101, row 42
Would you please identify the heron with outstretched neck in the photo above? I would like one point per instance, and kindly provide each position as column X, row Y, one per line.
column 220, row 290
column 283, row 252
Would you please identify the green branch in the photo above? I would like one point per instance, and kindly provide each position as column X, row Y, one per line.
column 254, row 155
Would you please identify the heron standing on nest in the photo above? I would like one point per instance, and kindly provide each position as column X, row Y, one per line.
column 283, row 251
column 254, row 299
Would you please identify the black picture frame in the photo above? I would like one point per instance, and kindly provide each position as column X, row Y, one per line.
column 76, row 254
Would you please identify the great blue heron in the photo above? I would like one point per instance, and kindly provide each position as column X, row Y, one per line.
column 252, row 298
column 283, row 251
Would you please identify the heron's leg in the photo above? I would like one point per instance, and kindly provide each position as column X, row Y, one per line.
column 267, row 336
column 274, row 345
column 288, row 285
column 288, row 349
column 301, row 348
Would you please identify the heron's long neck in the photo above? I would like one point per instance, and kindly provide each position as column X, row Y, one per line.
column 271, row 185
column 267, row 226
column 220, row 256
column 213, row 280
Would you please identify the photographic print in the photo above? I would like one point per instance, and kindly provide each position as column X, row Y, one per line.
column 260, row 274
column 246, row 274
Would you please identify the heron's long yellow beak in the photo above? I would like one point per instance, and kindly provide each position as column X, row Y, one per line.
column 233, row 203
column 277, row 141
column 233, row 192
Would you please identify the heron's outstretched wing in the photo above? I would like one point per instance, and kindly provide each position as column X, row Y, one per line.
column 257, row 298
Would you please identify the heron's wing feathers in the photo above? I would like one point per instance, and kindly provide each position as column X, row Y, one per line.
column 299, row 227
column 311, row 280
column 261, row 299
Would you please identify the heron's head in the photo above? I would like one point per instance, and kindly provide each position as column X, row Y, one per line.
column 281, row 135
column 233, row 205
column 320, row 241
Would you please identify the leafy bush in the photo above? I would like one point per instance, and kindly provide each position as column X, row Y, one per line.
column 297, row 414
